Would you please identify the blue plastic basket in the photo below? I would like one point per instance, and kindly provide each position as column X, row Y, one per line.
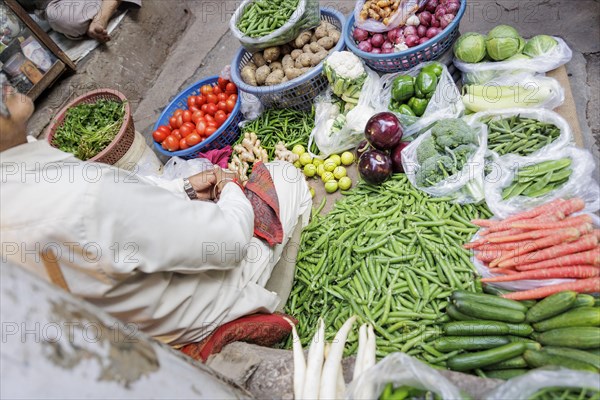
column 227, row 133
column 298, row 93
column 405, row 60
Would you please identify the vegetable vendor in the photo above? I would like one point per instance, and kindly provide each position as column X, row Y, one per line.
column 75, row 19
column 140, row 249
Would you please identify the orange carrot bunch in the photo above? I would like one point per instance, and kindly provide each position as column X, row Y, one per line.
column 547, row 242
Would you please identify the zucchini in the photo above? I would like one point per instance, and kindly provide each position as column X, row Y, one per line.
column 488, row 300
column 584, row 300
column 452, row 343
column 483, row 311
column 536, row 359
column 516, row 362
column 520, row 329
column 580, row 316
column 480, row 359
column 576, row 337
column 551, row 306
column 506, row 374
column 575, row 354
column 456, row 315
column 475, row 328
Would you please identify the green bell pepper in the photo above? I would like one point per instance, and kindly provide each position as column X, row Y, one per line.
column 406, row 110
column 418, row 105
column 435, row 67
column 426, row 82
column 403, row 88
column 418, row 93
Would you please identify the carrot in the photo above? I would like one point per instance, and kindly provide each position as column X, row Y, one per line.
column 474, row 244
column 589, row 285
column 484, row 223
column 565, row 223
column 505, row 271
column 488, row 256
column 533, row 245
column 571, row 206
column 534, row 212
column 590, row 257
column 596, row 232
column 552, row 216
column 575, row 271
column 537, row 234
column 586, row 242
column 507, row 232
column 499, row 246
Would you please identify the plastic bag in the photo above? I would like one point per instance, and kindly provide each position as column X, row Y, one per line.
column 525, row 386
column 400, row 369
column 406, row 9
column 330, row 141
column 580, row 184
column 445, row 103
column 482, row 72
column 177, row 168
column 563, row 140
column 465, row 186
column 306, row 16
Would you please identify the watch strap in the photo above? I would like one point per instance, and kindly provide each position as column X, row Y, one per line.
column 189, row 189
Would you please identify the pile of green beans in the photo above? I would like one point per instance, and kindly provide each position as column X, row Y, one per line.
column 284, row 125
column 522, row 136
column 390, row 255
column 562, row 393
column 539, row 179
column 265, row 16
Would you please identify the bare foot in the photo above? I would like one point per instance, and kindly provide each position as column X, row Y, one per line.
column 97, row 30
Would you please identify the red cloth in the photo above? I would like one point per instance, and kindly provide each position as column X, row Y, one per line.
column 218, row 157
column 261, row 329
column 260, row 190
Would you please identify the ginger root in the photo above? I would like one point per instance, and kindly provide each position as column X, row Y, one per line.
column 283, row 154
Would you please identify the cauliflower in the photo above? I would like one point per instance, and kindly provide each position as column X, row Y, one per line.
column 346, row 75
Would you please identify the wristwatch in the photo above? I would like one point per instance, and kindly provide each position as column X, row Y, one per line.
column 189, row 189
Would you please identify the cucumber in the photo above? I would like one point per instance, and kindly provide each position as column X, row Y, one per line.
column 520, row 339
column 580, row 316
column 452, row 343
column 536, row 359
column 575, row 354
column 584, row 300
column 475, row 328
column 551, row 306
column 456, row 315
column 595, row 351
column 506, row 374
column 577, row 337
column 488, row 300
column 516, row 362
column 495, row 313
column 520, row 329
column 480, row 359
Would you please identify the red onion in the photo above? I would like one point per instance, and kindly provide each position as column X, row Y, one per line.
column 431, row 32
column 435, row 23
column 421, row 30
column 360, row 35
column 452, row 8
column 411, row 40
column 377, row 40
column 365, row 46
column 425, row 18
column 410, row 31
column 441, row 10
column 387, row 51
column 386, row 45
column 399, row 39
column 423, row 40
column 445, row 21
column 392, row 35
column 431, row 5
column 376, row 50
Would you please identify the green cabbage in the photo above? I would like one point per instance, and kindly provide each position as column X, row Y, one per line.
column 503, row 42
column 470, row 47
column 518, row 56
column 539, row 45
column 504, row 31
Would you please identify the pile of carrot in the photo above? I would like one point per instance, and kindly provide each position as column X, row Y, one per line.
column 547, row 242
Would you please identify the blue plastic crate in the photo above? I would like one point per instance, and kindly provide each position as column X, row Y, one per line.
column 407, row 59
column 227, row 133
column 299, row 93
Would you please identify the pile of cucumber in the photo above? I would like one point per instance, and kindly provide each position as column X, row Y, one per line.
column 500, row 338
column 407, row 393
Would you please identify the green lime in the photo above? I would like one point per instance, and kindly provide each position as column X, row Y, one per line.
column 331, row 186
column 329, row 165
column 305, row 159
column 298, row 149
column 327, row 176
column 312, row 191
column 297, row 164
column 320, row 169
column 317, row 161
column 345, row 183
column 347, row 158
column 337, row 159
column 310, row 170
column 339, row 172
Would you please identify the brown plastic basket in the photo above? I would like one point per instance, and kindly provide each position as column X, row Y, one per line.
column 124, row 139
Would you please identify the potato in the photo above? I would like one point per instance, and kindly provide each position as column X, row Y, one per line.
column 298, row 64
column 335, row 35
column 248, row 75
column 286, row 49
column 306, row 49
column 326, row 42
column 276, row 65
column 315, row 48
column 287, row 62
column 274, row 78
column 284, row 79
column 321, row 31
column 315, row 59
column 304, row 59
column 293, row 73
column 296, row 53
column 313, row 38
column 258, row 59
column 262, row 73
column 272, row 54
column 302, row 39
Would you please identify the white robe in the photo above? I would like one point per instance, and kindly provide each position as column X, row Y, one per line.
column 175, row 268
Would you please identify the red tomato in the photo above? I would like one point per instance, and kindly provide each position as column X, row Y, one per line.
column 159, row 135
column 231, row 88
column 191, row 101
column 186, row 116
column 177, row 134
column 211, row 109
column 206, row 89
column 220, row 117
column 185, row 130
column 193, row 109
column 217, row 90
column 222, row 82
column 172, row 143
column 193, row 139
column 197, row 117
column 178, row 112
column 212, row 99
column 165, row 128
column 173, row 122
column 233, row 97
column 230, row 105
column 222, row 106
column 183, row 144
column 210, row 130
column 201, row 128
column 212, row 123
column 191, row 125
column 200, row 100
column 222, row 96
column 208, row 118
column 204, row 108
column 179, row 120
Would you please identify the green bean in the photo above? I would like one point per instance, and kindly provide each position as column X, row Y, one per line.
column 520, row 135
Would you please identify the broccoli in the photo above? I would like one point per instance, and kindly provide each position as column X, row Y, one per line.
column 426, row 150
column 461, row 154
column 434, row 170
column 451, row 133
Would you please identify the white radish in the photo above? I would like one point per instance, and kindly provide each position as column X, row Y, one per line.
column 369, row 359
column 340, row 387
column 362, row 342
column 333, row 362
column 299, row 363
column 314, row 365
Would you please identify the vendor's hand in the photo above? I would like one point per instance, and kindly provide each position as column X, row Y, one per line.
column 203, row 183
column 224, row 176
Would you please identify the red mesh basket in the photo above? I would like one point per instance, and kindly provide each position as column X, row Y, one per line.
column 121, row 143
